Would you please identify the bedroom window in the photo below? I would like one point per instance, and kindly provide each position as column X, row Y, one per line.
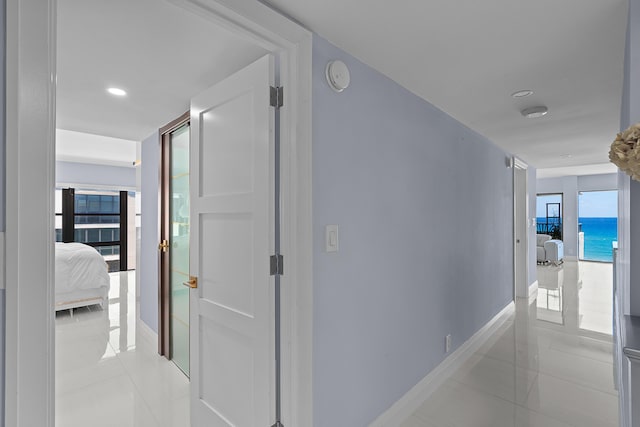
column 95, row 218
column 58, row 219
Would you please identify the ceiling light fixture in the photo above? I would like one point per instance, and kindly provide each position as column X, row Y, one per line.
column 534, row 112
column 116, row 91
column 522, row 93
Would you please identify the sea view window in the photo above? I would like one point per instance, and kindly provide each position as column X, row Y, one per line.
column 597, row 224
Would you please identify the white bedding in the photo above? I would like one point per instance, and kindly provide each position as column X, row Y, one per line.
column 79, row 267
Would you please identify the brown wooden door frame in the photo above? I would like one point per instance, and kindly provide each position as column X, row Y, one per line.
column 164, row 276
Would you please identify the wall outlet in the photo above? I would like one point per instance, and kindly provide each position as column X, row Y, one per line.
column 447, row 343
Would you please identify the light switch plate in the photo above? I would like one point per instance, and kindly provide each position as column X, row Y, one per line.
column 331, row 238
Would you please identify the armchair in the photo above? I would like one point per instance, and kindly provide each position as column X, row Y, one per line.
column 548, row 249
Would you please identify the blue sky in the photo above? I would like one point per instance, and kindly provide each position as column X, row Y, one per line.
column 541, row 204
column 598, row 204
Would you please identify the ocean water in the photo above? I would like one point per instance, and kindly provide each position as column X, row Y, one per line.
column 599, row 233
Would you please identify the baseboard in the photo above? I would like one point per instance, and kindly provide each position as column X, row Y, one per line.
column 146, row 333
column 401, row 410
column 533, row 288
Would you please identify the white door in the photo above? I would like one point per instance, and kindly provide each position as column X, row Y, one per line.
column 231, row 235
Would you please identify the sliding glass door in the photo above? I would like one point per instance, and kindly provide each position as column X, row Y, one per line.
column 597, row 224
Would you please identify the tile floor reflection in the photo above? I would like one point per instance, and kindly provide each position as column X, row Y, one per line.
column 550, row 363
column 107, row 375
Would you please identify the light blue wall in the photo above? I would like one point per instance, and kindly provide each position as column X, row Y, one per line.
column 603, row 182
column 148, row 268
column 425, row 211
column 629, row 195
column 90, row 174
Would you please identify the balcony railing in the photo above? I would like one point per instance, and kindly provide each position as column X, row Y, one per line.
column 554, row 229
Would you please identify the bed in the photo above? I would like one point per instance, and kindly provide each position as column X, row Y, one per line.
column 81, row 277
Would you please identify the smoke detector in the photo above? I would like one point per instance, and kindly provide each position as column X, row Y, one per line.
column 534, row 112
column 338, row 75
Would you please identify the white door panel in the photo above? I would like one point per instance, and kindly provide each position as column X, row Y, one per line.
column 231, row 240
column 230, row 161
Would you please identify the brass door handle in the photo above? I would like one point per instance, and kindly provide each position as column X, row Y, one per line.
column 163, row 246
column 192, row 283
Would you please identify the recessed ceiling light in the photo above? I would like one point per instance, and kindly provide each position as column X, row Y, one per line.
column 116, row 91
column 534, row 112
column 522, row 93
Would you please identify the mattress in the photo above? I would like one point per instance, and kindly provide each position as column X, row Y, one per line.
column 80, row 268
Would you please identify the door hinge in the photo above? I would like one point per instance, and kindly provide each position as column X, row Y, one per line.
column 276, row 96
column 277, row 265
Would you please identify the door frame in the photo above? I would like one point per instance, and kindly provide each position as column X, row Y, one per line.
column 561, row 194
column 520, row 290
column 164, row 258
column 30, row 146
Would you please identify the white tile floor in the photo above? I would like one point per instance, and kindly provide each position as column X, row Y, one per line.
column 107, row 375
column 532, row 372
column 545, row 373
column 596, row 297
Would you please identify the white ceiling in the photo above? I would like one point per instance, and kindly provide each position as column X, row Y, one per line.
column 597, row 169
column 467, row 57
column 161, row 54
column 96, row 149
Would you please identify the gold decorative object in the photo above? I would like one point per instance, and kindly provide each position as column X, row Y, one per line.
column 625, row 151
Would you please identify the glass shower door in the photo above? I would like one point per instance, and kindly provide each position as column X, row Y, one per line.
column 179, row 244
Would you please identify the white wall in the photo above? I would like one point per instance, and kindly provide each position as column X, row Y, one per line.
column 150, row 231
column 533, row 199
column 629, row 196
column 85, row 175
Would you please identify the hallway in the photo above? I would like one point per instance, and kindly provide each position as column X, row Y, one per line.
column 549, row 364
